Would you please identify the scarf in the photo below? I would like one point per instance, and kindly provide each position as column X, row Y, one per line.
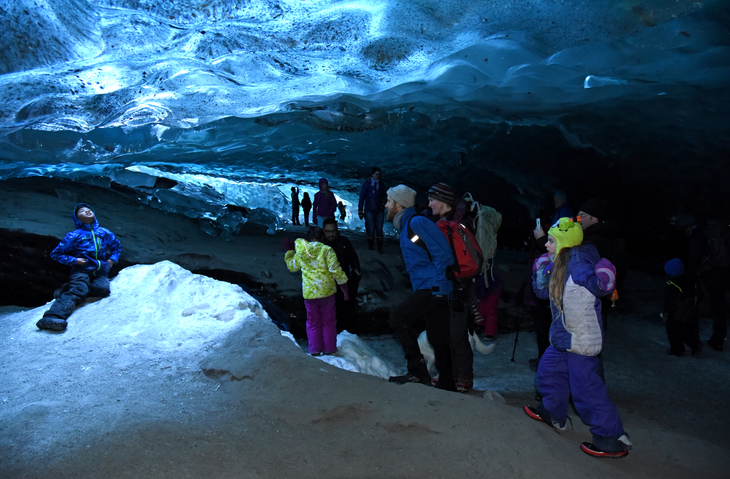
column 396, row 219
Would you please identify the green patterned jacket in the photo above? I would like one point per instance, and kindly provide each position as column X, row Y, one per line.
column 321, row 272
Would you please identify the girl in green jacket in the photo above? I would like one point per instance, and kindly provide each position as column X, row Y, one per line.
column 321, row 273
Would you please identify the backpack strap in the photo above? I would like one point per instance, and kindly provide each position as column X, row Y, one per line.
column 455, row 267
column 415, row 239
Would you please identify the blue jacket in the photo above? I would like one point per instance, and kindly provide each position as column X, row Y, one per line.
column 426, row 274
column 578, row 328
column 372, row 200
column 91, row 242
column 565, row 211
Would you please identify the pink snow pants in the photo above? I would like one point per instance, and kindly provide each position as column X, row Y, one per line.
column 321, row 325
column 488, row 310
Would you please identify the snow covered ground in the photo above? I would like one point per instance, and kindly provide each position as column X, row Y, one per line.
column 177, row 374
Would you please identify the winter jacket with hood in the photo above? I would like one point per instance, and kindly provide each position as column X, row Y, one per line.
column 578, row 329
column 372, row 196
column 91, row 242
column 424, row 273
column 321, row 273
column 325, row 204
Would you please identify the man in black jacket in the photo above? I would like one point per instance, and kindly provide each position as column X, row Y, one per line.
column 350, row 264
column 709, row 264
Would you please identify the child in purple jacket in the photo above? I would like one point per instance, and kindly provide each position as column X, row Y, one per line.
column 574, row 277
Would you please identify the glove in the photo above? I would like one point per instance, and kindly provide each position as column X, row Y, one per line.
column 360, row 214
column 543, row 260
column 92, row 263
column 345, row 291
column 606, row 274
column 287, row 244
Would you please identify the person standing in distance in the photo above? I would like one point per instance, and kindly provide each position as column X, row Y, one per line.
column 371, row 208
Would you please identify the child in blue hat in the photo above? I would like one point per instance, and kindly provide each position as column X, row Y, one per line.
column 680, row 310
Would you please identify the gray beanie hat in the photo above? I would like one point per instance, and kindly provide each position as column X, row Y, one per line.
column 403, row 195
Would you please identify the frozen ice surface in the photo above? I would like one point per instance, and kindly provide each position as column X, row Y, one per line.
column 267, row 94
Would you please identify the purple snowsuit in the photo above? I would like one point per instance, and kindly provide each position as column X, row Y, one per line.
column 570, row 363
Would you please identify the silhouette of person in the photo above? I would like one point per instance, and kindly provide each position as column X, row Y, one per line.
column 306, row 207
column 295, row 205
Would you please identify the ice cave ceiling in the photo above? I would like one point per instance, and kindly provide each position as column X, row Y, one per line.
column 510, row 100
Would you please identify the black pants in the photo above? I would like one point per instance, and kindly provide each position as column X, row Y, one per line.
column 462, row 356
column 347, row 310
column 75, row 292
column 715, row 283
column 541, row 319
column 406, row 321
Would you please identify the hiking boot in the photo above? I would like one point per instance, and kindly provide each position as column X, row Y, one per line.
column 51, row 324
column 464, row 386
column 409, row 378
column 592, row 450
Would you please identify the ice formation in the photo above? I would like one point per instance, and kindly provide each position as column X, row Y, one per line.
column 237, row 101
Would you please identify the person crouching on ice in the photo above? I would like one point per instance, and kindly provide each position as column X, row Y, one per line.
column 91, row 251
column 321, row 273
column 574, row 277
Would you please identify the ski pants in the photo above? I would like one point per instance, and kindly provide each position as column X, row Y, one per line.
column 561, row 374
column 488, row 306
column 79, row 287
column 321, row 325
column 406, row 320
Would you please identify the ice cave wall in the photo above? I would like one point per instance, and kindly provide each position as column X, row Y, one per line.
column 230, row 101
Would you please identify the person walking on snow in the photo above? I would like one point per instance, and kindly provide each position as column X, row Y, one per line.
column 321, row 274
column 441, row 200
column 574, row 277
column 431, row 289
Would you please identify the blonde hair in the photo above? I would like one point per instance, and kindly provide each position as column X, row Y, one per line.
column 559, row 276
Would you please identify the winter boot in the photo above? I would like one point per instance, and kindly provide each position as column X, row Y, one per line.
column 619, row 447
column 51, row 324
column 409, row 378
column 464, row 386
column 543, row 416
column 380, row 245
column 371, row 243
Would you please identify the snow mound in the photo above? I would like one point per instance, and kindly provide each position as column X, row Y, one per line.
column 162, row 306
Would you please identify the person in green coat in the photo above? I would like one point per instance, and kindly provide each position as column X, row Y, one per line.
column 321, row 274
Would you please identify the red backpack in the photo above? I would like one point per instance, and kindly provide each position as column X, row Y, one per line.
column 468, row 257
